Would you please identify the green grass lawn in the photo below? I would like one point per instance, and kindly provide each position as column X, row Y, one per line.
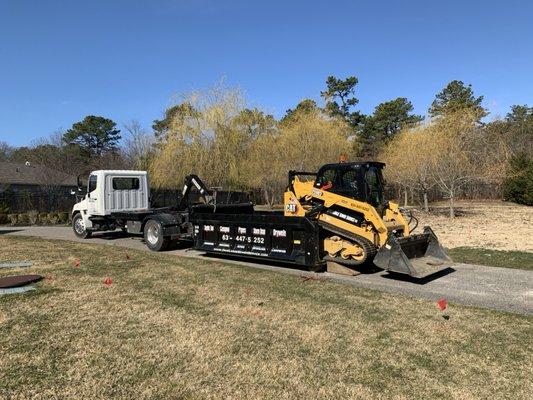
column 170, row 327
column 492, row 258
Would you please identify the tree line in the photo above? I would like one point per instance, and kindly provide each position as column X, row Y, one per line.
column 213, row 133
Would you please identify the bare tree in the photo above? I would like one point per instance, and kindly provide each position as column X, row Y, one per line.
column 138, row 145
column 451, row 152
column 453, row 162
column 5, row 151
column 55, row 162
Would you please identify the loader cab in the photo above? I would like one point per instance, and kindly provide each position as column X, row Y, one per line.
column 359, row 181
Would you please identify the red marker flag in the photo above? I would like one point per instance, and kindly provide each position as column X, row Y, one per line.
column 108, row 281
column 442, row 303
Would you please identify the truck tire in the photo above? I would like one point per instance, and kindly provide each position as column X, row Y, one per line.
column 153, row 236
column 78, row 226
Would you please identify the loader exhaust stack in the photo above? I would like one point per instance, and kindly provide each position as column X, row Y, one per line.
column 415, row 255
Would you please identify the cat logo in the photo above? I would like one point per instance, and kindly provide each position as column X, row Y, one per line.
column 292, row 206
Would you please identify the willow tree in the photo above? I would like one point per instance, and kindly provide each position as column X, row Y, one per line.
column 265, row 167
column 312, row 139
column 305, row 141
column 208, row 137
column 409, row 160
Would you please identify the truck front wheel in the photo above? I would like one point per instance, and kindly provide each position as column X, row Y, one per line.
column 153, row 236
column 78, row 225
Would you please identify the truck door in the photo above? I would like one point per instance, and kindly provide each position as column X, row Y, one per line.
column 92, row 195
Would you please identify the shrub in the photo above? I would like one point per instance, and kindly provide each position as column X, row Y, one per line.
column 13, row 218
column 33, row 217
column 518, row 184
column 4, row 208
column 62, row 217
column 3, row 218
column 23, row 219
column 53, row 218
column 43, row 218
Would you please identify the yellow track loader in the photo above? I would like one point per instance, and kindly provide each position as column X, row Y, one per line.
column 357, row 225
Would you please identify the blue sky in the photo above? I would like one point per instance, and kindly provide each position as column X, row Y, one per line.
column 62, row 60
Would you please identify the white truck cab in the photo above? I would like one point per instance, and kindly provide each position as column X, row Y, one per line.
column 109, row 192
column 121, row 199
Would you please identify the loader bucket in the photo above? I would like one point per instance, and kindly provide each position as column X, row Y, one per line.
column 418, row 255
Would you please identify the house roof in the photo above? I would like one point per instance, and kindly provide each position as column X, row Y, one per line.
column 23, row 174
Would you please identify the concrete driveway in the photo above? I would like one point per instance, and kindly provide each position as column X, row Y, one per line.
column 501, row 289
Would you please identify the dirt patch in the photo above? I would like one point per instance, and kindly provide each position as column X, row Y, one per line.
column 494, row 225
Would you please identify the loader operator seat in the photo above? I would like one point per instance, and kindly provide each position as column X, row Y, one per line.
column 327, row 177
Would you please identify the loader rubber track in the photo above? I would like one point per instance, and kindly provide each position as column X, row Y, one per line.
column 368, row 247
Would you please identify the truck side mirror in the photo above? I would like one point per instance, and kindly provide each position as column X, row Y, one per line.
column 77, row 192
column 79, row 184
